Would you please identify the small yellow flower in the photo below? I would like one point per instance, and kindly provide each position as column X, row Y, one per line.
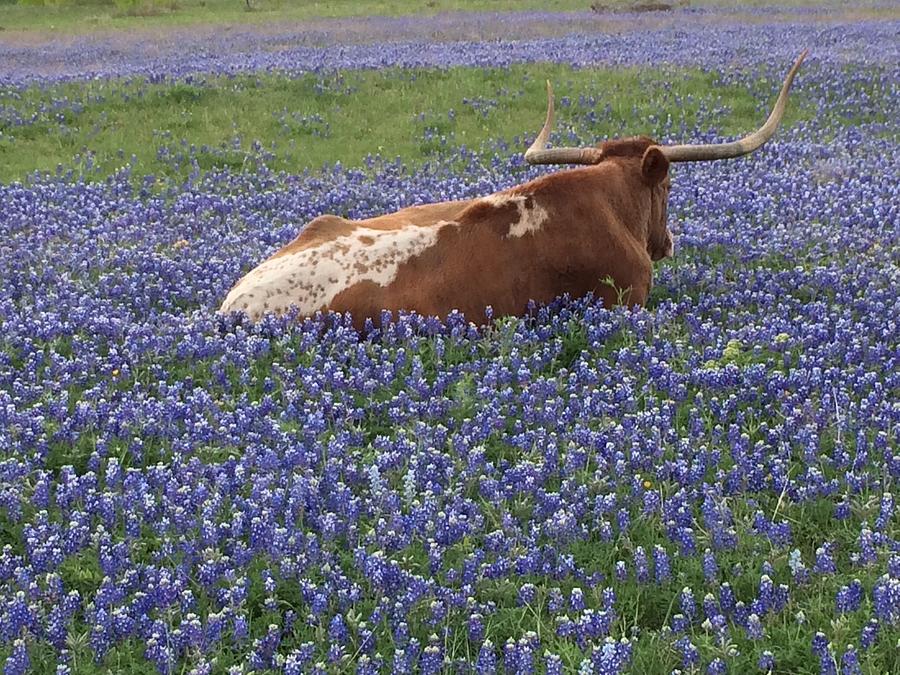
column 115, row 372
column 782, row 337
column 647, row 484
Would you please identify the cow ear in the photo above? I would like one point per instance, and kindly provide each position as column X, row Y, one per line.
column 654, row 165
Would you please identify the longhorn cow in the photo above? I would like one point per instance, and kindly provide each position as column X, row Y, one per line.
column 593, row 229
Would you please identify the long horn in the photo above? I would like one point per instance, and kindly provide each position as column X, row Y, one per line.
column 693, row 153
column 538, row 153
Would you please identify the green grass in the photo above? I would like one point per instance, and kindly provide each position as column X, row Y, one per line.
column 119, row 14
column 92, row 15
column 321, row 119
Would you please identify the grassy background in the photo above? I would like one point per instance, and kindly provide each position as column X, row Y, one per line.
column 88, row 15
column 317, row 119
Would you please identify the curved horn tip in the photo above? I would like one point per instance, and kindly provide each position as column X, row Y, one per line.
column 799, row 60
column 749, row 143
column 540, row 142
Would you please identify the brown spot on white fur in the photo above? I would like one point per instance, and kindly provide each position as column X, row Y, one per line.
column 531, row 215
column 333, row 265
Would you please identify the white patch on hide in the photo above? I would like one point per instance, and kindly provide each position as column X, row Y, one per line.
column 530, row 219
column 311, row 278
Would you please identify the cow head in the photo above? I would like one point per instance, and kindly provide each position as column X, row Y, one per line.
column 655, row 172
column 654, row 159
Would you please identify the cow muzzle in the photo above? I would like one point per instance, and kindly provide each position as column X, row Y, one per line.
column 665, row 251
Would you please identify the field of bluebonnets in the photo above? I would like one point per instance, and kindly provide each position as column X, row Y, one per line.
column 708, row 484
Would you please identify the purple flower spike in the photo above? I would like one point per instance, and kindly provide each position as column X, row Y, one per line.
column 850, row 662
column 18, row 662
column 486, row 663
column 553, row 664
column 869, row 634
column 662, row 565
column 849, row 597
column 825, row 559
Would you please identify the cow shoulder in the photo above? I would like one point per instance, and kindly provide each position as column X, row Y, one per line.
column 496, row 213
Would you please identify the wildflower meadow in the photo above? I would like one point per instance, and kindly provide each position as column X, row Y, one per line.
column 708, row 484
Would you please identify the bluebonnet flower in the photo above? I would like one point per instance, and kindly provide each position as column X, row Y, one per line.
column 710, row 606
column 527, row 650
column 18, row 662
column 710, row 566
column 688, row 603
column 765, row 599
column 487, row 659
column 295, row 662
column 850, row 662
column 159, row 652
column 727, row 599
column 849, row 597
column 652, row 502
column 438, row 612
column 510, row 656
column 799, row 571
column 576, row 599
column 842, row 509
column 367, row 666
column 337, row 630
column 754, row 628
column 885, row 511
column 527, row 594
column 240, row 629
column 476, row 627
column 869, row 634
column 555, row 600
column 553, row 664
column 662, row 567
column 609, row 657
column 886, row 599
column 641, row 566
column 565, row 627
column 824, row 559
column 262, row 656
column 680, row 623
column 822, row 649
column 867, row 552
column 690, row 655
